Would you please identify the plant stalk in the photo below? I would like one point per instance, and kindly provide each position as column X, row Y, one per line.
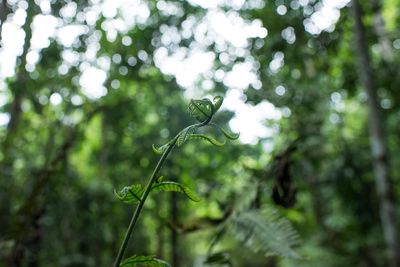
column 139, row 208
column 147, row 190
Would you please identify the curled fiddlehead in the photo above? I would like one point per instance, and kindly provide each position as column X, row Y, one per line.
column 203, row 111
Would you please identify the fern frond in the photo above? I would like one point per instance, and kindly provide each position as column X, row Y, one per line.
column 185, row 134
column 176, row 187
column 130, row 194
column 265, row 232
column 144, row 261
column 208, row 138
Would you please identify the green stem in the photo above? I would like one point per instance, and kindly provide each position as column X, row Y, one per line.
column 141, row 203
column 147, row 190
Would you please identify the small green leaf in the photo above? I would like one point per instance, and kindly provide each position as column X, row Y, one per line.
column 230, row 136
column 144, row 261
column 130, row 194
column 185, row 134
column 160, row 179
column 159, row 150
column 210, row 139
column 176, row 187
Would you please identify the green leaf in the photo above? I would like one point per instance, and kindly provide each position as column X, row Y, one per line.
column 130, row 194
column 230, row 136
column 265, row 232
column 210, row 139
column 160, row 179
column 176, row 187
column 185, row 134
column 159, row 150
column 144, row 261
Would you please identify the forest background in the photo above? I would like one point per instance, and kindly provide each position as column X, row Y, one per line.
column 86, row 88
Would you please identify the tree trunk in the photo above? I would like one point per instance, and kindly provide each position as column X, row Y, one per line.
column 16, row 87
column 385, row 44
column 377, row 140
column 17, row 91
column 19, row 85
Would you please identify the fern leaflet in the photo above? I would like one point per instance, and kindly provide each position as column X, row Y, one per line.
column 176, row 187
column 230, row 136
column 210, row 139
column 185, row 134
column 130, row 194
column 161, row 149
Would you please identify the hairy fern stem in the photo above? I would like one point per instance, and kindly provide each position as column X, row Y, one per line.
column 139, row 207
column 147, row 190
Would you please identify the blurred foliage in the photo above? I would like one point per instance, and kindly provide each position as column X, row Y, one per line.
column 59, row 163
